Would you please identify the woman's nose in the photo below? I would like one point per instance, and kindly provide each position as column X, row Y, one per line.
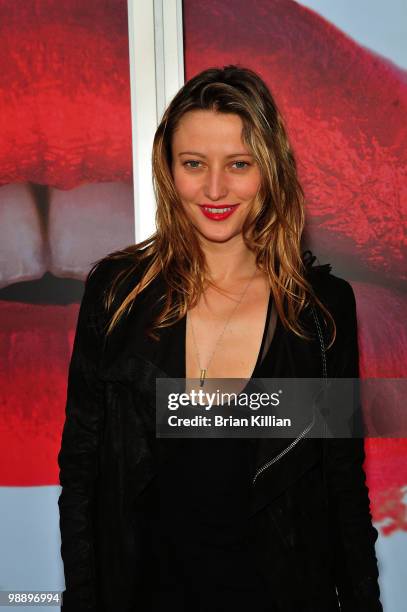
column 215, row 187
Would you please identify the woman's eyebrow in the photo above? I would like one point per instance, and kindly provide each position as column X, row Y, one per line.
column 227, row 156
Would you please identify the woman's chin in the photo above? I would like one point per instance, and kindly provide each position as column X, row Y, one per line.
column 218, row 235
column 216, row 231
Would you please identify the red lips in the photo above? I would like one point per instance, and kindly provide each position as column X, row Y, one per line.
column 345, row 109
column 209, row 205
column 208, row 212
column 65, row 121
column 64, row 73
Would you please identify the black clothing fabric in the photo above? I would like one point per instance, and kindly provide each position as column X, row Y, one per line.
column 205, row 560
column 310, row 525
column 204, row 555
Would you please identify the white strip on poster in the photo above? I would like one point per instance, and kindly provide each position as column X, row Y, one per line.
column 156, row 73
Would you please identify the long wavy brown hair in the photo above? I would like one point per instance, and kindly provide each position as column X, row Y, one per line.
column 273, row 227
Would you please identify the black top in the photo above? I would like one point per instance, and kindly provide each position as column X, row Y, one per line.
column 204, row 500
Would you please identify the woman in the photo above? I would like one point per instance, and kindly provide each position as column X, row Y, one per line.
column 219, row 291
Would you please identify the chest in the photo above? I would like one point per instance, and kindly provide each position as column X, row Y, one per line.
column 226, row 344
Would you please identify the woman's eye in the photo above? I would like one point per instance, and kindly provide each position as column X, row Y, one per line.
column 191, row 161
column 246, row 164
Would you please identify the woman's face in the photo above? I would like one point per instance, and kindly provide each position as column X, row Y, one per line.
column 215, row 175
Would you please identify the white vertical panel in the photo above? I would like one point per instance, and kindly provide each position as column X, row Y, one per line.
column 143, row 112
column 156, row 74
column 173, row 50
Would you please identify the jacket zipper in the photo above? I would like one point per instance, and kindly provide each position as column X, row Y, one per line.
column 307, row 429
column 284, row 451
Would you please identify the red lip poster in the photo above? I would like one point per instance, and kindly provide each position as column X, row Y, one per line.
column 66, row 189
column 66, row 193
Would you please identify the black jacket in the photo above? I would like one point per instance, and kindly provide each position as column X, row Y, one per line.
column 312, row 532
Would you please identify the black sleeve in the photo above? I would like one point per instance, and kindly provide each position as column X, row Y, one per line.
column 347, row 493
column 77, row 458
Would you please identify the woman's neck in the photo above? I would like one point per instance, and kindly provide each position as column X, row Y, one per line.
column 229, row 261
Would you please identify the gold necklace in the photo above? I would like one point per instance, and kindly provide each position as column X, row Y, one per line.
column 204, row 370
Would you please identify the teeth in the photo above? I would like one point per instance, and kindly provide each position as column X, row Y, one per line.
column 217, row 210
column 22, row 252
column 81, row 225
column 86, row 223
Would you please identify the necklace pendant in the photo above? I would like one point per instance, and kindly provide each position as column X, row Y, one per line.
column 202, row 378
